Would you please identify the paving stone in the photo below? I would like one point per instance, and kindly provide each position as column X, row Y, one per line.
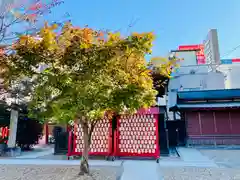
column 31, row 172
column 193, row 173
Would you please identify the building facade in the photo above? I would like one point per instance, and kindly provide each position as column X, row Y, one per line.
column 211, row 117
column 207, row 52
column 198, row 69
column 231, row 73
column 211, row 48
column 199, row 52
column 192, row 78
column 206, row 96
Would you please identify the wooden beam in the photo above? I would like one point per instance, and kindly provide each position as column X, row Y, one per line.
column 230, row 121
column 46, row 134
column 200, row 122
column 215, row 123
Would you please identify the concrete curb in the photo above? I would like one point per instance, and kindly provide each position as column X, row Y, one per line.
column 187, row 164
column 122, row 171
column 34, row 155
column 57, row 162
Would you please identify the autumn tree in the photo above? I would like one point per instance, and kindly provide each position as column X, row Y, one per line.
column 86, row 75
column 161, row 69
column 19, row 18
column 22, row 17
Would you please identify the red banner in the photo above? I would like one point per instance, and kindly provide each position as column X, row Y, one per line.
column 4, row 133
column 235, row 60
column 190, row 47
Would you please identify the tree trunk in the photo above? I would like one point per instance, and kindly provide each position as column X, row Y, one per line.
column 84, row 166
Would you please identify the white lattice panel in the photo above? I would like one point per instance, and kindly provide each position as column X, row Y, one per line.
column 137, row 134
column 100, row 137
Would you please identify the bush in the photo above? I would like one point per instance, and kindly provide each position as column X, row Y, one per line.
column 4, row 115
column 29, row 130
column 28, row 133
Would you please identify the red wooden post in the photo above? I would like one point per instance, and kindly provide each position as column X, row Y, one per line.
column 116, row 137
column 46, row 133
column 157, row 136
column 69, row 153
column 110, row 139
column 68, row 128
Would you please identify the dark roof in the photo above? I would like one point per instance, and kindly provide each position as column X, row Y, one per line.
column 222, row 94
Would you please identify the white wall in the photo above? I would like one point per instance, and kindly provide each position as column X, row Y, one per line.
column 196, row 78
column 232, row 72
column 214, row 80
column 162, row 101
column 188, row 57
column 191, row 82
column 189, row 69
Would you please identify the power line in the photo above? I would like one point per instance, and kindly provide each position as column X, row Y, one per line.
column 230, row 52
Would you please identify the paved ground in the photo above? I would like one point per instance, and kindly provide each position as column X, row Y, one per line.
column 202, row 164
column 193, row 173
column 223, row 157
column 53, row 157
column 194, row 156
column 93, row 163
column 140, row 170
column 33, row 172
column 27, row 172
column 37, row 152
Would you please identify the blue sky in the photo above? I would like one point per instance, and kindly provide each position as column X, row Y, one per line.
column 175, row 22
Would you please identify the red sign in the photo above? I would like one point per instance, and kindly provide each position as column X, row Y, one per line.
column 199, row 48
column 235, row 60
column 190, row 47
column 4, row 133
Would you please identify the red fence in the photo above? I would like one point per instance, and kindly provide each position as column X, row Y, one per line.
column 135, row 135
column 101, row 140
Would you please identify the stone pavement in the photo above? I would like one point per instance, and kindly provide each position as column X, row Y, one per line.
column 140, row 170
column 56, row 172
column 57, row 162
column 198, row 173
column 223, row 157
column 63, row 172
column 192, row 155
column 132, row 169
column 37, row 152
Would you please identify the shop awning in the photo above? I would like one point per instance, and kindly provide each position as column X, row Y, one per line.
column 208, row 105
column 221, row 94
